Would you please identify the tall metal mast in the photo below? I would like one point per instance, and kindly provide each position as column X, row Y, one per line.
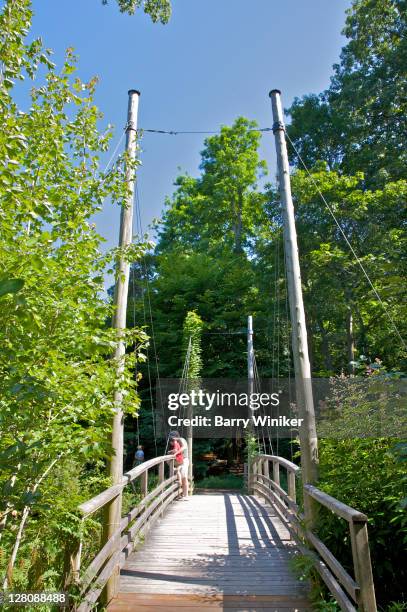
column 113, row 510
column 305, row 401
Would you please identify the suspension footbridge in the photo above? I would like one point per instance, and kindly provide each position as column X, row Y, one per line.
column 223, row 550
column 220, row 550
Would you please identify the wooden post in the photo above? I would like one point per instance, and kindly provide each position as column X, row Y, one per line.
column 362, row 565
column 161, row 476
column 72, row 564
column 144, row 483
column 276, row 472
column 171, row 468
column 291, row 485
column 161, row 472
column 266, row 469
column 253, row 475
column 76, row 563
column 308, row 436
column 260, row 467
column 112, row 515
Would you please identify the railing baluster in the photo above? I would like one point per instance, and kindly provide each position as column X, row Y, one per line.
column 260, row 467
column 76, row 563
column 266, row 468
column 161, row 472
column 362, row 565
column 144, row 483
column 276, row 472
column 291, row 485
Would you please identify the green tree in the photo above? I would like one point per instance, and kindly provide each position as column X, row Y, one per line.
column 219, row 292
column 56, row 376
column 226, row 190
column 159, row 10
column 359, row 123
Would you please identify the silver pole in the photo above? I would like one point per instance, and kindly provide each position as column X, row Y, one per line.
column 250, row 381
column 308, row 436
column 114, row 509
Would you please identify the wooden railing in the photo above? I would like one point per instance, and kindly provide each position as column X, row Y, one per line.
column 347, row 591
column 133, row 526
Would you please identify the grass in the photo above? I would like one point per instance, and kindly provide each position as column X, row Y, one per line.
column 226, row 481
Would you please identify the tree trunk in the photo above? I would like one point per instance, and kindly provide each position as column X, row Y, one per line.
column 8, row 579
column 9, row 508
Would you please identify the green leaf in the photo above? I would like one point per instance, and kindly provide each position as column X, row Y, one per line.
column 11, row 285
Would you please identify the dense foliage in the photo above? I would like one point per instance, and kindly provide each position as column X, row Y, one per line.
column 366, row 474
column 359, row 123
column 56, row 377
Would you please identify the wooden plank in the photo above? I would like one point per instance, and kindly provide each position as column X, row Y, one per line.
column 128, row 538
column 110, row 546
column 146, row 465
column 273, row 497
column 127, row 602
column 93, row 595
column 99, row 560
column 89, row 507
column 100, row 500
column 289, row 465
column 363, row 566
column 215, row 544
column 335, row 588
column 339, row 508
column 340, row 573
column 130, row 516
column 232, row 599
column 280, row 490
column 170, row 589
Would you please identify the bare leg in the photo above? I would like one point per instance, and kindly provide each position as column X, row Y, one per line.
column 185, row 486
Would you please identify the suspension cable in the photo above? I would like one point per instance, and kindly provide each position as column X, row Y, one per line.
column 144, row 291
column 181, row 132
column 331, row 212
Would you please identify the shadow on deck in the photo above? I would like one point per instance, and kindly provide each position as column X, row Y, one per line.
column 219, row 550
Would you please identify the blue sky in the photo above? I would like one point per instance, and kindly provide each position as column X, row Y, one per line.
column 215, row 60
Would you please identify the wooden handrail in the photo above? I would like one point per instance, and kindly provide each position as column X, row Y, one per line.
column 136, row 522
column 346, row 590
column 336, row 506
column 100, row 500
column 288, row 465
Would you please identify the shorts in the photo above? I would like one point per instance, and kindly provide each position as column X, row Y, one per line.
column 183, row 469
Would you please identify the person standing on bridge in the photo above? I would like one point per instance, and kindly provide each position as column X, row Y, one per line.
column 183, row 468
column 139, row 456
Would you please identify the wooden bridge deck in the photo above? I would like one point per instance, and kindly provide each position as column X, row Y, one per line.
column 215, row 551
